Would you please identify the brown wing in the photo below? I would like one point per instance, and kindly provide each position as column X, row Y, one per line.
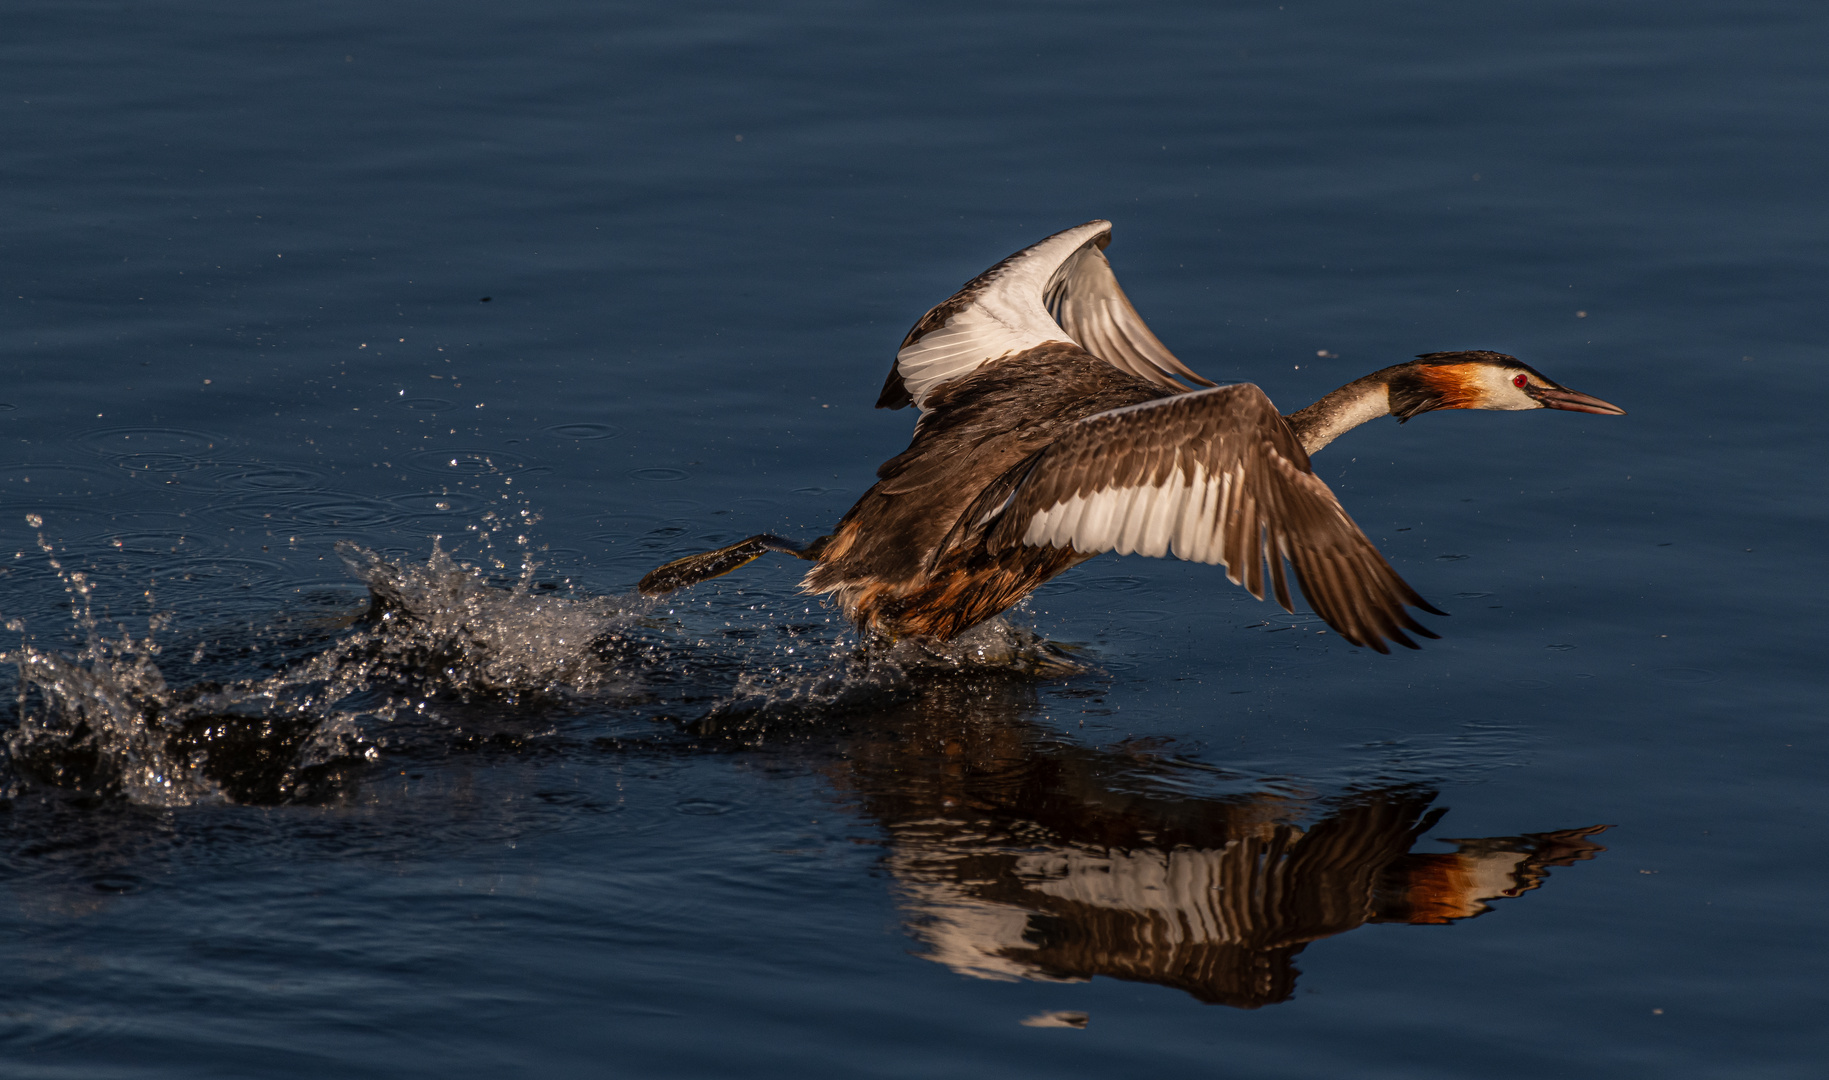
column 1216, row 476
column 1013, row 308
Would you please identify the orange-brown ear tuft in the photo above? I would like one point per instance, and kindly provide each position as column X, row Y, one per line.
column 1427, row 387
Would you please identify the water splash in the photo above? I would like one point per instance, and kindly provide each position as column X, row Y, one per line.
column 448, row 626
column 102, row 720
column 851, row 678
column 96, row 706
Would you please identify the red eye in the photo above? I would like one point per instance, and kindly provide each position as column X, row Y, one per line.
column 1520, row 381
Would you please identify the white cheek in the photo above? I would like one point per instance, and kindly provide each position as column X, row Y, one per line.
column 1503, row 394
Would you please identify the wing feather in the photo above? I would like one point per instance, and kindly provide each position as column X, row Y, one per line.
column 1277, row 581
column 1061, row 289
column 1214, row 476
column 1085, row 299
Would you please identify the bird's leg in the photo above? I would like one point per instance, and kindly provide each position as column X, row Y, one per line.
column 696, row 568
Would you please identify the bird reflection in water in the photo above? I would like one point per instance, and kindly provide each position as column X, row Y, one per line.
column 1023, row 856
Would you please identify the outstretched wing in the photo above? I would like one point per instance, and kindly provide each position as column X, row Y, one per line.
column 1216, row 476
column 1061, row 289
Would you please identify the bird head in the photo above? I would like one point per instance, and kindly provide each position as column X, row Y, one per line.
column 1479, row 379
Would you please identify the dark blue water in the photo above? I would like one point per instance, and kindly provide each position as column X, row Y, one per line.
column 579, row 288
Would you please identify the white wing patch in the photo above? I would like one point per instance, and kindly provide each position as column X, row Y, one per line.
column 971, row 338
column 1186, row 513
column 1004, row 314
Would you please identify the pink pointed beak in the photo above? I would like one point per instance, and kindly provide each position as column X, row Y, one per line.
column 1560, row 398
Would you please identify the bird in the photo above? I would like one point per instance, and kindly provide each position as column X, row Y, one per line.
column 1054, row 426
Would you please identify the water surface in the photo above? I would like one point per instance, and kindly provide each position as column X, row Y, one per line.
column 360, row 359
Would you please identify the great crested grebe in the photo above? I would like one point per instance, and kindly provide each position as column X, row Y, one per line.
column 1053, row 428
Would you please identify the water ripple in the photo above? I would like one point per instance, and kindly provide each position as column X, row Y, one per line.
column 161, row 442
column 324, row 512
column 1122, row 583
column 585, row 431
column 466, row 462
column 147, row 542
column 274, row 478
column 421, row 503
column 679, row 507
column 38, row 482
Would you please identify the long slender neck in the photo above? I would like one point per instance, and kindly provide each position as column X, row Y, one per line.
column 1343, row 410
